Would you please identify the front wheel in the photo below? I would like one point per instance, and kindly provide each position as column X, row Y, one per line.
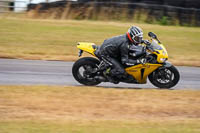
column 165, row 77
column 83, row 69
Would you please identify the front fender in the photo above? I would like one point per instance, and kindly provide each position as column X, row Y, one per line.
column 167, row 64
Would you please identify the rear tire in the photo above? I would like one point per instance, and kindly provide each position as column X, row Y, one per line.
column 87, row 64
column 165, row 77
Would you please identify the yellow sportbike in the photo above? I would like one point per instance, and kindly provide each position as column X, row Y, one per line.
column 162, row 74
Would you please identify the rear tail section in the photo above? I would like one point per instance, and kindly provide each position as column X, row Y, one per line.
column 87, row 47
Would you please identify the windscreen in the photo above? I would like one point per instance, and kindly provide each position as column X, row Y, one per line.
column 155, row 45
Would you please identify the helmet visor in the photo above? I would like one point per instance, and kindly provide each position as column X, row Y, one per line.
column 138, row 39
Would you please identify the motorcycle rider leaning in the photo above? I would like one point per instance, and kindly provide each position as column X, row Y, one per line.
column 116, row 51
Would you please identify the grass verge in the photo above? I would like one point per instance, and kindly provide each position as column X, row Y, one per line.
column 56, row 39
column 56, row 109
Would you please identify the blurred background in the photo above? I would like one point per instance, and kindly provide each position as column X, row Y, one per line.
column 165, row 12
column 29, row 27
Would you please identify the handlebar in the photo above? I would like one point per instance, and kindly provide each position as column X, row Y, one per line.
column 148, row 45
column 146, row 42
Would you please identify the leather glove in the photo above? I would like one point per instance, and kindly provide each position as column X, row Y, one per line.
column 146, row 42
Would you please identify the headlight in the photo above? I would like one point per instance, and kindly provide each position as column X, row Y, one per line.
column 163, row 59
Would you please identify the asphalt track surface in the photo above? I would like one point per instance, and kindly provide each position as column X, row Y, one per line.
column 36, row 72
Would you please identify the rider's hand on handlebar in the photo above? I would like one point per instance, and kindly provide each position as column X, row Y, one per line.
column 146, row 42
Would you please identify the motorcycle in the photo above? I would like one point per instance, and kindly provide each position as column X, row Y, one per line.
column 162, row 74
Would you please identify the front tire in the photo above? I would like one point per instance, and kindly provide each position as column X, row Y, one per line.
column 164, row 77
column 82, row 71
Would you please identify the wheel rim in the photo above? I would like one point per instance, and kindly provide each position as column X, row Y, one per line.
column 85, row 72
column 164, row 76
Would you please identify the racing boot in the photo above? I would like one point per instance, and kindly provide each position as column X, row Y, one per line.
column 109, row 77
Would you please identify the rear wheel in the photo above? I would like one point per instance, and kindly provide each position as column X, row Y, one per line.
column 83, row 69
column 165, row 77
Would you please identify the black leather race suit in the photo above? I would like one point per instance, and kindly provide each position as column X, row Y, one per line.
column 116, row 51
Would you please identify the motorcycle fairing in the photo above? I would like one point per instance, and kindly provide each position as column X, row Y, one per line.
column 161, row 53
column 141, row 71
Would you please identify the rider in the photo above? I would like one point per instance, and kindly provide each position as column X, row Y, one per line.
column 116, row 50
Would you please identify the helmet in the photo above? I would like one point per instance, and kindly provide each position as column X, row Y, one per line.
column 135, row 34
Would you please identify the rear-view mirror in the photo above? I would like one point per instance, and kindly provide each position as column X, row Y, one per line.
column 152, row 35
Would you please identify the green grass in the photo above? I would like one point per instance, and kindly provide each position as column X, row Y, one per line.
column 57, row 39
column 99, row 127
column 68, row 109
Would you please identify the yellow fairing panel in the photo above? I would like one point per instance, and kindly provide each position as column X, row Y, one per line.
column 141, row 71
column 162, row 54
column 87, row 47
